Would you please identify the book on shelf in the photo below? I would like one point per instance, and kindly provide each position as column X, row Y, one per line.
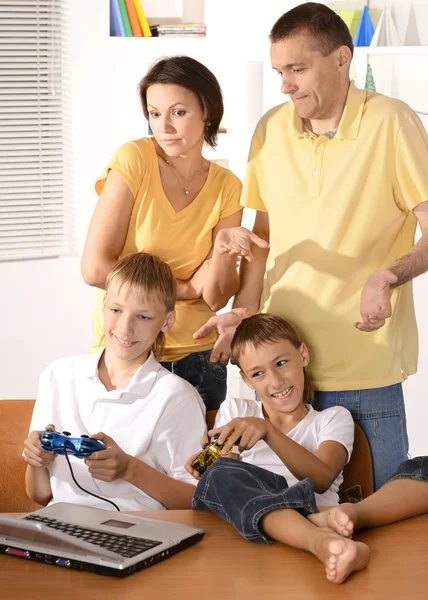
column 116, row 23
column 127, row 19
column 142, row 18
column 133, row 18
column 179, row 30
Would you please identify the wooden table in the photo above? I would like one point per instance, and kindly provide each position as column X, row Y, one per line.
column 225, row 566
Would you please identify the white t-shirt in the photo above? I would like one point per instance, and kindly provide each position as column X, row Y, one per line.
column 332, row 424
column 159, row 418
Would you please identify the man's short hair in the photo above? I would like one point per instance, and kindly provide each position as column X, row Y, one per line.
column 327, row 30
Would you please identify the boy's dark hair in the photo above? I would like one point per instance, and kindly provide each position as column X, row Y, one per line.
column 149, row 275
column 194, row 76
column 264, row 328
column 327, row 30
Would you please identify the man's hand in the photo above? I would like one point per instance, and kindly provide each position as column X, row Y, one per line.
column 34, row 454
column 375, row 306
column 225, row 325
column 109, row 464
column 237, row 241
column 248, row 430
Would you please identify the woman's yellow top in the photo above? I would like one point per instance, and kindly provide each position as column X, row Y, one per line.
column 182, row 239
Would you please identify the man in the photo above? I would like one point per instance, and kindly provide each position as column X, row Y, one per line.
column 339, row 179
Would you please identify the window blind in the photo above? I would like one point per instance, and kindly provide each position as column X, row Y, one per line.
column 34, row 219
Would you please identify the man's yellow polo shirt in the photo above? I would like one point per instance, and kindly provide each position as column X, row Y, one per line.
column 340, row 209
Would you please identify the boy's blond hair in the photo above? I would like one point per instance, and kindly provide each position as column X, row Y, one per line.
column 264, row 328
column 150, row 276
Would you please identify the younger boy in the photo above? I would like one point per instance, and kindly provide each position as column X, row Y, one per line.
column 289, row 450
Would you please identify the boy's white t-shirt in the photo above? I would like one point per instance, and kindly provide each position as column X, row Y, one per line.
column 332, row 424
column 159, row 418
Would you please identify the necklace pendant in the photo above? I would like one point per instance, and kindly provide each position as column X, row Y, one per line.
column 186, row 191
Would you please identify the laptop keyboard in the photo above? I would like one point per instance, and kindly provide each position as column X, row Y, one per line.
column 125, row 545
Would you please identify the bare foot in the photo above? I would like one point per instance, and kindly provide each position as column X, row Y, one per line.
column 341, row 519
column 340, row 556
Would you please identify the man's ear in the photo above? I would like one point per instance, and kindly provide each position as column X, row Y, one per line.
column 170, row 320
column 304, row 353
column 344, row 57
column 246, row 379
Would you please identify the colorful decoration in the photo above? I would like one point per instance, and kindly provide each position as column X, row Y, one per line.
column 365, row 30
column 370, row 84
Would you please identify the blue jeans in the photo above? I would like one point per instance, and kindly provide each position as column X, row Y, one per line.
column 381, row 415
column 414, row 468
column 241, row 494
column 209, row 379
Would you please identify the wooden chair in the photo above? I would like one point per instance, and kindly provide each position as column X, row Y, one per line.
column 358, row 473
column 15, row 417
column 210, row 418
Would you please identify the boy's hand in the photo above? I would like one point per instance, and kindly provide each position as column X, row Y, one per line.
column 34, row 454
column 188, row 466
column 109, row 464
column 250, row 429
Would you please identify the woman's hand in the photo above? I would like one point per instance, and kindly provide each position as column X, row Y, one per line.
column 237, row 241
column 243, row 432
column 186, row 291
column 34, row 454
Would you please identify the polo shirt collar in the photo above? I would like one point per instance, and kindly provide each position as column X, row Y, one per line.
column 90, row 364
column 145, row 377
column 295, row 128
column 349, row 123
column 141, row 382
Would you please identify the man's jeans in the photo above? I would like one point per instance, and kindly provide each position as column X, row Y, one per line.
column 381, row 415
column 242, row 493
column 414, row 468
column 209, row 379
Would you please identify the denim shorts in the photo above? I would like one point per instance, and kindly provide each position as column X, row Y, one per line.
column 413, row 468
column 209, row 379
column 241, row 494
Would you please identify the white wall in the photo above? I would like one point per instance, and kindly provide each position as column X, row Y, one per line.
column 46, row 309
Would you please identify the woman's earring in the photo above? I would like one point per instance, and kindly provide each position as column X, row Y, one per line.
column 208, row 124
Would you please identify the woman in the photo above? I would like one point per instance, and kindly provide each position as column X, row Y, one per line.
column 160, row 195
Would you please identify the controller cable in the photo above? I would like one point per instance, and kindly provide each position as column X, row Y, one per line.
column 79, row 486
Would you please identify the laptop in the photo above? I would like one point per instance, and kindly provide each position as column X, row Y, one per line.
column 91, row 539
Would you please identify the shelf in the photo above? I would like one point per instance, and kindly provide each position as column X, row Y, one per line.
column 163, row 40
column 388, row 50
column 171, row 12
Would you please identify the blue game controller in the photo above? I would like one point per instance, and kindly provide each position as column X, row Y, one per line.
column 62, row 443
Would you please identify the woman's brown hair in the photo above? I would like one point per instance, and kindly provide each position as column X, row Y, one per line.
column 194, row 76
